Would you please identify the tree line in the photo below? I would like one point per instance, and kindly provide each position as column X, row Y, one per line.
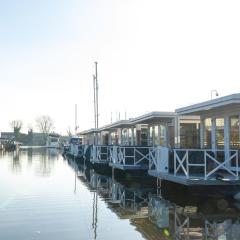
column 44, row 124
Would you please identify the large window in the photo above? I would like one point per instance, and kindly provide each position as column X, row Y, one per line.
column 151, row 134
column 130, row 136
column 162, row 135
column 114, row 138
column 156, row 143
column 220, row 133
column 208, row 133
column 144, row 136
column 234, row 132
column 189, row 135
column 134, row 136
column 124, row 136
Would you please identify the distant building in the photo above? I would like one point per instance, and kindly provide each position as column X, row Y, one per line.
column 38, row 139
column 8, row 135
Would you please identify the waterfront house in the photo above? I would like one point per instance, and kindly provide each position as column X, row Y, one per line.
column 216, row 159
column 132, row 144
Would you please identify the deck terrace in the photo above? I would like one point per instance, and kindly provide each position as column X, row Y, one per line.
column 196, row 179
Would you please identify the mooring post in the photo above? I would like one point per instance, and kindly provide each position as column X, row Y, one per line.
column 159, row 187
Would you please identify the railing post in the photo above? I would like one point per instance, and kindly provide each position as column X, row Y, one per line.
column 237, row 162
column 187, row 164
column 134, row 155
column 124, row 155
column 174, row 157
column 205, row 165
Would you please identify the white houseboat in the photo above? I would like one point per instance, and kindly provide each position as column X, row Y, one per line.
column 75, row 146
column 215, row 160
column 53, row 140
column 134, row 144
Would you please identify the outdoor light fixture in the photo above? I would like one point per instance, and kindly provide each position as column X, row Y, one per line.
column 214, row 91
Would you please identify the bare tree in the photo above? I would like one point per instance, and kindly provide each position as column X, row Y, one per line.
column 30, row 134
column 45, row 125
column 69, row 132
column 16, row 125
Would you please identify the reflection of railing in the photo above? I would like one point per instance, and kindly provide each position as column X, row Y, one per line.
column 205, row 162
column 187, row 223
column 77, row 150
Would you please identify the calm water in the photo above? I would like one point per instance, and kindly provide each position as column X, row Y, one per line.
column 44, row 196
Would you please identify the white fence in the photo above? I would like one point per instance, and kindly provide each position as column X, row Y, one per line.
column 99, row 153
column 130, row 155
column 207, row 161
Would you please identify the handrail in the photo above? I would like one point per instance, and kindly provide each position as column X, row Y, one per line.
column 181, row 162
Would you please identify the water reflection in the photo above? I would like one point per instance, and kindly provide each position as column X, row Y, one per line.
column 158, row 217
column 16, row 164
column 47, row 199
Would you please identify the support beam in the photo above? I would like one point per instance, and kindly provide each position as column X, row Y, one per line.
column 177, row 132
column 226, row 137
column 202, row 131
column 213, row 133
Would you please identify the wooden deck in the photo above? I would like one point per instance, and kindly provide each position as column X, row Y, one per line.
column 105, row 162
column 128, row 166
column 195, row 179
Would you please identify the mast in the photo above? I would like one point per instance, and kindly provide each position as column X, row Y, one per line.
column 76, row 119
column 95, row 93
column 96, row 78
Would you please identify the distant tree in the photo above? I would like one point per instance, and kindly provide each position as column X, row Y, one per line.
column 69, row 133
column 16, row 125
column 45, row 125
column 30, row 135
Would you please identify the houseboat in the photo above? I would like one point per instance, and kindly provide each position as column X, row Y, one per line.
column 53, row 140
column 213, row 160
column 133, row 144
column 76, row 147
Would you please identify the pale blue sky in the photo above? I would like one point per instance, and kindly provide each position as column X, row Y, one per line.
column 153, row 55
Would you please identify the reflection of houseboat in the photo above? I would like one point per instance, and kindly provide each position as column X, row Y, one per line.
column 188, row 222
column 53, row 140
column 159, row 218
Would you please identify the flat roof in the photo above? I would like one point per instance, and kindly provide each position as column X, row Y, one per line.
column 154, row 117
column 216, row 103
column 148, row 118
column 92, row 130
column 118, row 124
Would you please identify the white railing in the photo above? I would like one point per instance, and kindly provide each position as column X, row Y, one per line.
column 130, row 155
column 208, row 161
column 99, row 153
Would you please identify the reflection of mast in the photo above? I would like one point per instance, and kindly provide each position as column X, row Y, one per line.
column 75, row 179
column 95, row 212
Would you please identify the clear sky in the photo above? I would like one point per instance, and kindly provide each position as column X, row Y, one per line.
column 152, row 54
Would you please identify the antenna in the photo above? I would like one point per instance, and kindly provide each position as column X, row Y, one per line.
column 96, row 79
column 76, row 119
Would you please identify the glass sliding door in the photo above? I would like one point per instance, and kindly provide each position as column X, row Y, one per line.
column 208, row 133
column 234, row 132
column 220, row 133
